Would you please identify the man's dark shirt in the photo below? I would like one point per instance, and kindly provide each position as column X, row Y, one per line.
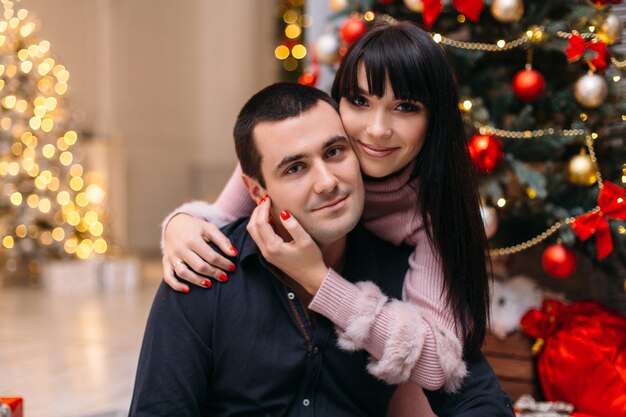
column 247, row 348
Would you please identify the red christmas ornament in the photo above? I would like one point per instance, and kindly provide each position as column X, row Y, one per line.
column 486, row 152
column 559, row 261
column 352, row 29
column 528, row 85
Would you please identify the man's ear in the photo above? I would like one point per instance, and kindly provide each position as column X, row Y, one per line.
column 256, row 191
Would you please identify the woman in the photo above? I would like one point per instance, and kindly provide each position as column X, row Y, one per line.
column 399, row 105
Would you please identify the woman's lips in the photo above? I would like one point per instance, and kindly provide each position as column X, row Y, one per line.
column 375, row 151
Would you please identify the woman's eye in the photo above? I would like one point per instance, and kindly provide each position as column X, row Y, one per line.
column 408, row 107
column 358, row 101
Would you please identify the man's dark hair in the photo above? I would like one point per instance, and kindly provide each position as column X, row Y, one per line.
column 274, row 103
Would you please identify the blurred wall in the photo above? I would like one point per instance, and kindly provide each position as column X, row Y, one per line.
column 158, row 84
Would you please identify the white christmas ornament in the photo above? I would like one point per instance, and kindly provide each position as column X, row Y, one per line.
column 414, row 5
column 327, row 48
column 507, row 11
column 612, row 29
column 336, row 5
column 591, row 90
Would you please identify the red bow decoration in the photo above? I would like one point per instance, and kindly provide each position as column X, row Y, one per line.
column 540, row 324
column 469, row 8
column 578, row 46
column 612, row 203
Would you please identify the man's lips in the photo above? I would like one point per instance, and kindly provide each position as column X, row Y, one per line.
column 375, row 151
column 333, row 204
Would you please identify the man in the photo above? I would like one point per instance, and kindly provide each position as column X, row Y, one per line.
column 252, row 347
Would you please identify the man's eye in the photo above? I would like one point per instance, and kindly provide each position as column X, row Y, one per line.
column 294, row 169
column 333, row 152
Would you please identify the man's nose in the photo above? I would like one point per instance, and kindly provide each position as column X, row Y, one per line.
column 325, row 179
column 378, row 126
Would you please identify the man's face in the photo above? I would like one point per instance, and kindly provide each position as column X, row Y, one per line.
column 311, row 171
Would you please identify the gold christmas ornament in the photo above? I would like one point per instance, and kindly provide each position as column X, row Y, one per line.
column 414, row 5
column 581, row 170
column 327, row 48
column 507, row 11
column 611, row 30
column 591, row 90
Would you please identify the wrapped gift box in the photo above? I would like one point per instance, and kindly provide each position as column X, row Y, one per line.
column 14, row 404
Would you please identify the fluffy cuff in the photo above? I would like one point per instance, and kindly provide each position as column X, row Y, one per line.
column 199, row 209
column 369, row 304
column 450, row 354
column 403, row 346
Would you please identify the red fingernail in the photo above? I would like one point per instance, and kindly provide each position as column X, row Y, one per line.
column 232, row 268
column 285, row 215
column 185, row 290
column 207, row 283
column 223, row 278
column 233, row 250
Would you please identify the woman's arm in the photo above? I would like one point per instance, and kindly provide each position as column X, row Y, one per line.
column 186, row 231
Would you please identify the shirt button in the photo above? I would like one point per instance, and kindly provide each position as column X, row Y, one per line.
column 306, row 402
column 291, row 295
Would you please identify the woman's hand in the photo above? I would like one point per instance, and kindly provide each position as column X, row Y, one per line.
column 188, row 255
column 300, row 258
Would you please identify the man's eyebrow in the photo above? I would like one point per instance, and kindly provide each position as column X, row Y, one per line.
column 293, row 158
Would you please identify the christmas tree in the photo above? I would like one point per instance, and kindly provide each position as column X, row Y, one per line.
column 48, row 208
column 543, row 99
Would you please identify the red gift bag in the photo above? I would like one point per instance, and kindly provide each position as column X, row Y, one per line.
column 581, row 355
column 16, row 405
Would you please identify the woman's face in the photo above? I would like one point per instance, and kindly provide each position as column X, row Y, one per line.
column 386, row 133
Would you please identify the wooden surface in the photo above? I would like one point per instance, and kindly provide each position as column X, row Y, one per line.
column 513, row 363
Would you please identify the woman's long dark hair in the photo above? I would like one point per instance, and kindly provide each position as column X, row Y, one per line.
column 417, row 69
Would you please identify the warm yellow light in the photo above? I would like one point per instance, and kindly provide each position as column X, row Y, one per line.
column 9, row 101
column 54, row 184
column 32, row 200
column 44, row 46
column 594, row 135
column 82, row 200
column 369, row 16
column 39, row 110
column 1, row 84
column 68, row 208
column 44, row 84
column 22, row 13
column 8, row 242
column 11, row 70
column 6, row 123
column 4, row 168
column 27, row 29
column 532, row 194
column 70, row 137
column 501, row 202
column 20, row 231
column 281, row 52
column 460, row 18
column 290, row 16
column 46, row 238
column 13, row 168
column 26, row 66
column 66, row 158
column 96, row 193
column 48, row 150
column 583, row 116
column 58, row 234
column 60, row 88
column 17, row 148
column 293, row 31
column 100, row 246
column 3, row 38
column 592, row 29
column 467, row 105
column 437, row 37
column 16, row 198
column 616, row 78
column 43, row 68
column 47, row 124
column 70, row 245
column 22, row 54
column 33, row 51
column 76, row 183
column 62, row 144
column 96, row 229
column 3, row 26
column 63, row 198
column 90, row 217
column 298, row 51
column 21, row 106
column 45, row 205
column 73, row 218
column 51, row 103
column 501, row 43
column 34, row 122
column 76, row 170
